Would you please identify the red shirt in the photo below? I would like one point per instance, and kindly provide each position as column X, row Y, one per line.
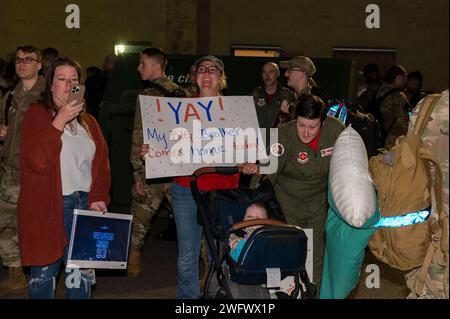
column 314, row 143
column 270, row 96
column 209, row 182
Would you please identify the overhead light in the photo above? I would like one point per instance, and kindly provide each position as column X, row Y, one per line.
column 119, row 49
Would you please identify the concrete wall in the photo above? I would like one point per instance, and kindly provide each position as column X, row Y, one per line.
column 417, row 29
column 168, row 24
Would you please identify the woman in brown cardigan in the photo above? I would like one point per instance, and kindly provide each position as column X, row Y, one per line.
column 64, row 166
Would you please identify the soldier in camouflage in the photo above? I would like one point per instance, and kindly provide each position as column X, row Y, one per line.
column 12, row 108
column 146, row 196
column 435, row 136
column 268, row 97
column 299, row 71
column 192, row 89
column 394, row 107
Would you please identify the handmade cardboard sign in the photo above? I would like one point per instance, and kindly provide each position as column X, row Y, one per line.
column 185, row 134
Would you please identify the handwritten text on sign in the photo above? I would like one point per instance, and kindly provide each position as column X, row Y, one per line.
column 188, row 133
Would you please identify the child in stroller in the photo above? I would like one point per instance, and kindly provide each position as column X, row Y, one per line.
column 272, row 252
column 254, row 211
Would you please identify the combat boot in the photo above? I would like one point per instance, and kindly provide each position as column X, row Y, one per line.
column 134, row 263
column 15, row 283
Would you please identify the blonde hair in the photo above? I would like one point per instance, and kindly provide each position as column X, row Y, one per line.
column 223, row 82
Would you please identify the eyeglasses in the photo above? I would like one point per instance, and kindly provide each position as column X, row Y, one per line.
column 25, row 60
column 210, row 70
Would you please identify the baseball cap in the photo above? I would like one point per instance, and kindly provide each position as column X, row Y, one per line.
column 301, row 63
column 217, row 62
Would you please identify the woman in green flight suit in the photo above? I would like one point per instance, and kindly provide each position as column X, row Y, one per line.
column 304, row 149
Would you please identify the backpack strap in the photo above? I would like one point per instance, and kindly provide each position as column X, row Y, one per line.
column 426, row 108
column 380, row 99
column 426, row 153
column 424, row 113
column 160, row 88
column 385, row 95
column 177, row 92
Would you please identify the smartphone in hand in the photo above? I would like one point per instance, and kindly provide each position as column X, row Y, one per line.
column 76, row 93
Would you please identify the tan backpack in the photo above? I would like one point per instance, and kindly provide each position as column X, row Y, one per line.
column 402, row 177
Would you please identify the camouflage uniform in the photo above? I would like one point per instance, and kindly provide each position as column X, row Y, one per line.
column 266, row 109
column 435, row 136
column 191, row 91
column 143, row 208
column 9, row 169
column 394, row 112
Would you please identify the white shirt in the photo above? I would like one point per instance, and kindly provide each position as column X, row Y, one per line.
column 76, row 157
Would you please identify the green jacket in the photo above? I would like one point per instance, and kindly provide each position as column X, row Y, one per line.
column 21, row 101
column 266, row 109
column 301, row 180
column 137, row 138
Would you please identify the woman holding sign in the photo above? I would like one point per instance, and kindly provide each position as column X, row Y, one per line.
column 211, row 80
column 64, row 166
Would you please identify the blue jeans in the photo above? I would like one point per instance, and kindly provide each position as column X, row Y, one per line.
column 189, row 235
column 78, row 281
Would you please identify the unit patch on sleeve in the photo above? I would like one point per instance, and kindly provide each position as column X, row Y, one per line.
column 326, row 152
column 277, row 149
column 261, row 102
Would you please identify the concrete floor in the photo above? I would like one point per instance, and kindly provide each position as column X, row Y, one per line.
column 158, row 278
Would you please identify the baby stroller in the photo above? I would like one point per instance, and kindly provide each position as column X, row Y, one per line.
column 275, row 246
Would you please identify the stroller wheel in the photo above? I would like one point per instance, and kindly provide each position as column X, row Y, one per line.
column 221, row 294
